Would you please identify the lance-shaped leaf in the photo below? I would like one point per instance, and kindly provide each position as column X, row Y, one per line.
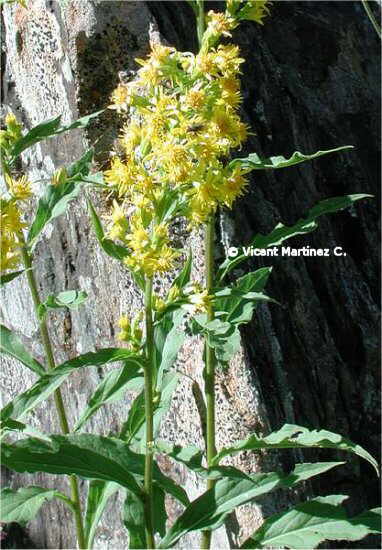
column 11, row 345
column 310, row 523
column 293, row 437
column 56, row 197
column 11, row 425
column 210, row 509
column 192, row 458
column 22, row 505
column 87, row 456
column 47, row 384
column 134, row 429
column 133, row 518
column 48, row 129
column 168, row 339
column 71, row 299
column 254, row 162
column 111, row 389
column 81, row 168
column 8, row 277
column 185, row 274
column 98, row 496
column 52, row 204
column 283, row 232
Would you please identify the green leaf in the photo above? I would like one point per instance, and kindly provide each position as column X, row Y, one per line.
column 282, row 232
column 168, row 339
column 241, row 299
column 184, row 276
column 41, row 131
column 168, row 205
column 81, row 168
column 112, row 249
column 212, row 507
column 224, row 337
column 11, row 425
column 254, row 162
column 134, row 429
column 310, row 523
column 8, row 277
column 295, row 437
column 160, row 515
column 22, row 505
column 192, row 457
column 71, row 299
column 98, row 495
column 135, row 419
column 52, row 204
column 47, row 384
column 48, row 129
column 111, row 389
column 11, row 345
column 133, row 518
column 87, row 456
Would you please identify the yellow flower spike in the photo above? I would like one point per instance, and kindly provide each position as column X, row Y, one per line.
column 59, row 177
column 158, row 303
column 255, row 10
column 130, row 138
column 227, row 59
column 173, row 293
column 220, row 23
column 165, row 261
column 232, row 188
column 139, row 238
column 161, row 232
column 10, row 257
column 11, row 217
column 121, row 175
column 13, row 127
column 20, row 188
column 125, row 333
column 120, row 98
column 198, row 298
column 195, row 99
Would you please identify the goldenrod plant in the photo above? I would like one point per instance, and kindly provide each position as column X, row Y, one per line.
column 181, row 127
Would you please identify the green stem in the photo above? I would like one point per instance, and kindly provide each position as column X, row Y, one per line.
column 371, row 17
column 200, row 21
column 75, row 495
column 210, row 362
column 149, row 455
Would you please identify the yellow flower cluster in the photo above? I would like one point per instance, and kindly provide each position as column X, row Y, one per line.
column 10, row 227
column 130, row 332
column 184, row 120
column 19, row 189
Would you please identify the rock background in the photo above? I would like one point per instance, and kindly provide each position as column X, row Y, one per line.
column 311, row 81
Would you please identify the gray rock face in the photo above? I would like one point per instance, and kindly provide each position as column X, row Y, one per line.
column 310, row 82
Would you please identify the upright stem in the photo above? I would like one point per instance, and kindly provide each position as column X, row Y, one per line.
column 210, row 362
column 148, row 372
column 75, row 494
column 200, row 21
